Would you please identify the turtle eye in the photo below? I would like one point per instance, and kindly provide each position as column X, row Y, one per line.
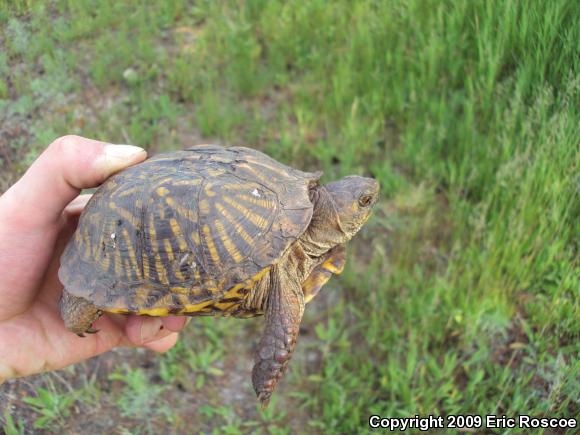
column 365, row 200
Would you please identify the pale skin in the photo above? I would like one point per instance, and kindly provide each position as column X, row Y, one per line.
column 38, row 215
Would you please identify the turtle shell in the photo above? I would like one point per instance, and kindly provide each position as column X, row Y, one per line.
column 186, row 232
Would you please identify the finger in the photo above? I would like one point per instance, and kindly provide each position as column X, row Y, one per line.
column 111, row 333
column 77, row 205
column 175, row 323
column 163, row 344
column 69, row 164
column 142, row 329
column 71, row 215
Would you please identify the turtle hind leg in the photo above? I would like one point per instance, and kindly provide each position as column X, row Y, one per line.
column 78, row 314
column 284, row 311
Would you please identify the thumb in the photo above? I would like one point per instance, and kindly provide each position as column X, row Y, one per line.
column 69, row 164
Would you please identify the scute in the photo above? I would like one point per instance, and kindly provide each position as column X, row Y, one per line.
column 182, row 228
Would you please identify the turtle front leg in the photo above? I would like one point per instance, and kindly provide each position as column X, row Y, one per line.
column 78, row 314
column 284, row 309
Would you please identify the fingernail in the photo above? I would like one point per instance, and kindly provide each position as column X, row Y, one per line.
column 122, row 151
column 118, row 157
column 150, row 328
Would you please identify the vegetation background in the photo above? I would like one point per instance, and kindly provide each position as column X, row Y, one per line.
column 461, row 295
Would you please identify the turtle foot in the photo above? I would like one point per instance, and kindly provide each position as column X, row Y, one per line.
column 78, row 314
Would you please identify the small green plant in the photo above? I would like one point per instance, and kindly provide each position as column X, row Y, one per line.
column 139, row 398
column 231, row 422
column 53, row 407
column 12, row 427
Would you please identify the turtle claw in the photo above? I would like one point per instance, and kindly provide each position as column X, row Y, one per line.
column 264, row 399
column 88, row 331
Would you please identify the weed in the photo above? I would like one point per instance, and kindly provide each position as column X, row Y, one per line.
column 52, row 405
column 12, row 427
column 138, row 396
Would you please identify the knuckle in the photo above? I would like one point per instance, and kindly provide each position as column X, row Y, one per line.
column 65, row 145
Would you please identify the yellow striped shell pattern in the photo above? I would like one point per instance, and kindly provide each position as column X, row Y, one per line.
column 187, row 232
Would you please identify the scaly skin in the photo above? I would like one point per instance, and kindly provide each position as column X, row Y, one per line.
column 330, row 264
column 340, row 210
column 285, row 306
column 78, row 314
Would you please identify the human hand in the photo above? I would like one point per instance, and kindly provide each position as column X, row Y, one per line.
column 38, row 215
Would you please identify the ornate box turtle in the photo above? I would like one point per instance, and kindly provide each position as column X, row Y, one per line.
column 213, row 230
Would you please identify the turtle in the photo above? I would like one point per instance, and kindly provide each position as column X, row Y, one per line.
column 213, row 230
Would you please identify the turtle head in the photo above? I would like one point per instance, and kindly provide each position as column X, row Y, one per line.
column 340, row 210
column 353, row 198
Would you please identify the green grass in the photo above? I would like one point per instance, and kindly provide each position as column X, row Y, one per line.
column 53, row 406
column 464, row 296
